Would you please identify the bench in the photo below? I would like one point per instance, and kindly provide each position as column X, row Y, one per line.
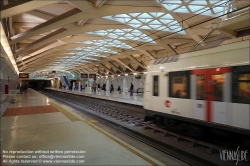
column 140, row 90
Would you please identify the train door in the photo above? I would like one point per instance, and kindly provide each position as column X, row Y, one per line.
column 147, row 92
column 211, row 94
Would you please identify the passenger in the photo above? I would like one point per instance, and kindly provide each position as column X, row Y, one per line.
column 98, row 86
column 131, row 89
column 81, row 87
column 111, row 88
column 119, row 89
column 26, row 87
column 94, row 87
column 104, row 87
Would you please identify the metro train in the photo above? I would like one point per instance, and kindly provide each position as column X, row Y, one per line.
column 203, row 94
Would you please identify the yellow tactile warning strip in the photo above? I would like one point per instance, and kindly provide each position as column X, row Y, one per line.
column 65, row 112
column 74, row 118
column 92, row 121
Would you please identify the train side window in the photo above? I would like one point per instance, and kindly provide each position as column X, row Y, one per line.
column 156, row 86
column 218, row 83
column 241, row 84
column 200, row 87
column 179, row 84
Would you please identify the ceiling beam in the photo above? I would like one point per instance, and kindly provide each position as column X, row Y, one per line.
column 115, row 67
column 98, row 3
column 25, row 7
column 131, row 57
column 12, row 4
column 39, row 41
column 122, row 63
column 42, row 27
column 106, row 68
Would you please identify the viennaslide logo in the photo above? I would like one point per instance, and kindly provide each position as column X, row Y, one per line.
column 234, row 155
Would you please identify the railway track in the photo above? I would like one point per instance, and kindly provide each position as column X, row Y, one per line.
column 121, row 116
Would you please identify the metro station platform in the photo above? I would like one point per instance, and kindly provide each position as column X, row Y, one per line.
column 36, row 129
column 123, row 97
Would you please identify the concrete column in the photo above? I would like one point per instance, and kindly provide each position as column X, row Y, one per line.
column 124, row 86
column 79, row 86
column 107, row 86
column 73, row 86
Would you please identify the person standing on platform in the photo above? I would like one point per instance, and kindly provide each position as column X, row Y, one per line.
column 131, row 89
column 104, row 87
column 111, row 88
column 98, row 86
column 26, row 87
column 119, row 89
column 94, row 87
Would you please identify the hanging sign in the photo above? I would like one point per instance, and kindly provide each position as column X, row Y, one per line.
column 84, row 75
column 23, row 75
column 92, row 75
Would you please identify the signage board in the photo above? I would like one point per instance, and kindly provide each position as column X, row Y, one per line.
column 84, row 75
column 92, row 75
column 23, row 75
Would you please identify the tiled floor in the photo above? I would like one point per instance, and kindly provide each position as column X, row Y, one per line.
column 33, row 124
column 29, row 110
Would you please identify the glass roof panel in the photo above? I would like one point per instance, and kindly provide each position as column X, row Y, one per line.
column 170, row 7
column 122, row 34
column 156, row 14
column 122, row 16
column 173, row 1
column 135, row 25
column 198, row 2
column 213, row 1
column 194, row 6
column 145, row 20
column 144, row 15
column 77, row 48
column 167, row 17
column 217, row 9
column 145, row 27
column 182, row 9
column 134, row 21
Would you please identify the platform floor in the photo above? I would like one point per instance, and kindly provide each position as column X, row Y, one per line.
column 123, row 97
column 37, row 129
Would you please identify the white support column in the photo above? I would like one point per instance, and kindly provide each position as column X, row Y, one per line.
column 74, row 85
column 107, row 86
column 125, row 86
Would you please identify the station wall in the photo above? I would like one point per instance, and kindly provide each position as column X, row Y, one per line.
column 9, row 79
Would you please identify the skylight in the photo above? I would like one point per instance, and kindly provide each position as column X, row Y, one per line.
column 124, row 34
column 150, row 20
column 195, row 6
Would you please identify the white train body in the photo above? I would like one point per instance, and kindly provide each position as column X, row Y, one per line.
column 193, row 97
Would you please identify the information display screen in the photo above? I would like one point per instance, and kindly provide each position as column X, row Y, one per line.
column 23, row 75
column 92, row 75
column 137, row 76
column 84, row 75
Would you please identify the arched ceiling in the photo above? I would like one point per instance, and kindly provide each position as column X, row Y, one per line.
column 106, row 37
